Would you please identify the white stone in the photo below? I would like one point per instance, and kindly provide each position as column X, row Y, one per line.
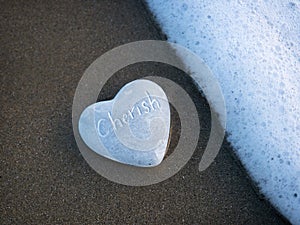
column 133, row 128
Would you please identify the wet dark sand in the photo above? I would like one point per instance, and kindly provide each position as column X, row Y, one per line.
column 45, row 48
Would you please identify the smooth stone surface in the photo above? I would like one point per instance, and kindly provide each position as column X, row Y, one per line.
column 133, row 128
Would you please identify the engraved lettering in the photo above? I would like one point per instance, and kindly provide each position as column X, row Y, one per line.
column 114, row 122
column 149, row 105
column 145, row 107
column 131, row 112
column 152, row 101
column 99, row 128
column 139, row 111
column 125, row 118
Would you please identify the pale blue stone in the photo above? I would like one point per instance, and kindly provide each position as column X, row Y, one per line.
column 133, row 128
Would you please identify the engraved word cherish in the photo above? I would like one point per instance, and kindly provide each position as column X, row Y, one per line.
column 149, row 105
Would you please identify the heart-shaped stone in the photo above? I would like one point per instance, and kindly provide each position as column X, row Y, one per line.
column 133, row 128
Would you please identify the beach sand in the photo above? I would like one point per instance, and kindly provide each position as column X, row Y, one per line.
column 45, row 48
